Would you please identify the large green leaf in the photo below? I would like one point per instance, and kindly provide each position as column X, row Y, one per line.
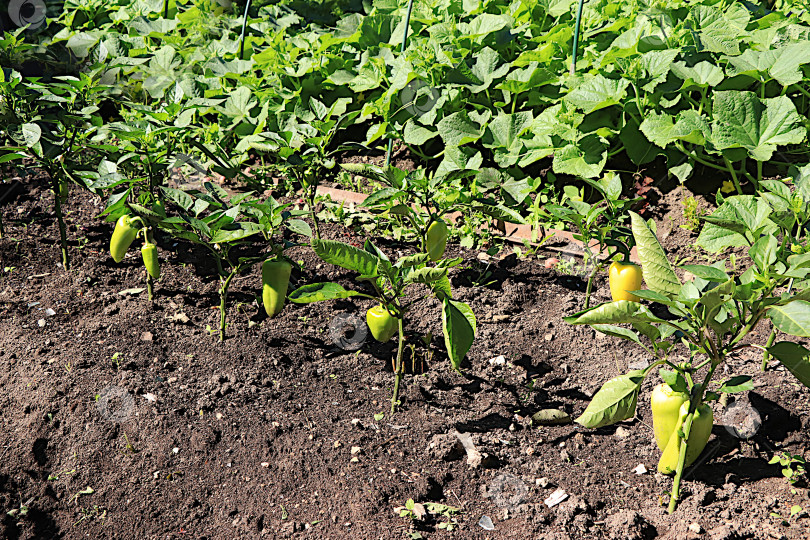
column 742, row 120
column 458, row 326
column 655, row 267
column 458, row 129
column 346, row 256
column 792, row 318
column 614, row 402
column 663, row 129
column 586, row 157
column 317, row 292
column 794, row 357
column 597, row 93
column 728, row 225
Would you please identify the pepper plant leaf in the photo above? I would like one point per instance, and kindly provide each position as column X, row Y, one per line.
column 655, row 267
column 795, row 358
column 621, row 311
column 317, row 292
column 614, row 402
column 346, row 256
column 792, row 318
column 617, row 331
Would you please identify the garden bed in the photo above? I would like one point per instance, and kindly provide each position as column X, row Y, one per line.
column 122, row 419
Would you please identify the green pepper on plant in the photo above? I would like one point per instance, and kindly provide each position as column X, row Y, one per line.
column 710, row 316
column 228, row 227
column 389, row 282
column 382, row 324
column 275, row 280
column 421, row 200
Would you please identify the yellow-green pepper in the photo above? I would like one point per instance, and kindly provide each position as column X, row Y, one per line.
column 698, row 437
column 275, row 280
column 666, row 405
column 126, row 228
column 382, row 324
column 436, row 240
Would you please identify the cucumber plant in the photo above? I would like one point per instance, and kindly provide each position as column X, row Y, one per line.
column 388, row 282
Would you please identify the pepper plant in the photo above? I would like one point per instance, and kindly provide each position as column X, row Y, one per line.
column 602, row 223
column 53, row 121
column 389, row 282
column 227, row 227
column 422, row 199
column 711, row 316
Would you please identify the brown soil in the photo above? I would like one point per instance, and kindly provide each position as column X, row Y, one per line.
column 125, row 420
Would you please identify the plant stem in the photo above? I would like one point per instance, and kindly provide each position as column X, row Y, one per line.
column 676, row 482
column 398, row 367
column 57, row 206
column 596, row 269
column 311, row 190
column 2, row 231
column 150, row 287
column 223, row 297
column 733, row 175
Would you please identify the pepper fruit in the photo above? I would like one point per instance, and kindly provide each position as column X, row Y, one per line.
column 123, row 236
column 698, row 437
column 275, row 280
column 437, row 239
column 666, row 405
column 382, row 324
column 150, row 259
column 624, row 277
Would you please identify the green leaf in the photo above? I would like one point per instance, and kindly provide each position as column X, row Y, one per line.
column 243, row 230
column 381, row 196
column 426, row 275
column 458, row 129
column 614, row 402
column 655, row 267
column 709, row 273
column 299, row 226
column 742, row 120
column 180, row 198
column 317, row 292
column 597, row 93
column 735, row 385
column 586, row 157
column 795, row 358
column 663, row 129
column 792, row 318
column 617, row 331
column 763, row 252
column 619, row 312
column 458, row 326
column 346, row 256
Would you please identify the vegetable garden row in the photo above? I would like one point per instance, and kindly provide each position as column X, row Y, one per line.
column 521, row 112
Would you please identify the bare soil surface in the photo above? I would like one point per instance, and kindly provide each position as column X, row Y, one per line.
column 122, row 419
